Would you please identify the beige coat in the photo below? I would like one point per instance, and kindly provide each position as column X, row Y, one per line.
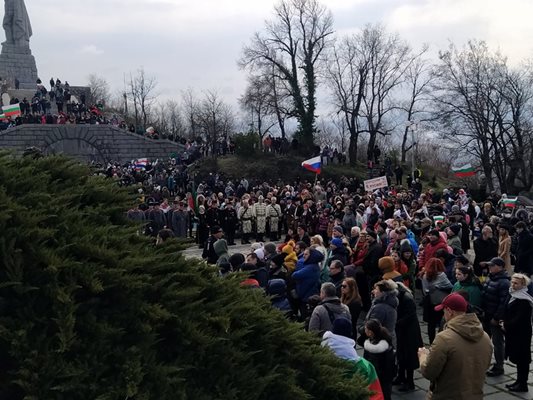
column 504, row 252
column 458, row 360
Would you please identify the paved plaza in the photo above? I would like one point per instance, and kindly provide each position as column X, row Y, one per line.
column 494, row 387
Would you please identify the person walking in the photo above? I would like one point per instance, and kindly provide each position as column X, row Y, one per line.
column 456, row 361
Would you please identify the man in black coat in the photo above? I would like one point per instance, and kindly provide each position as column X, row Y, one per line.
column 495, row 292
column 524, row 250
column 209, row 254
column 229, row 222
column 375, row 252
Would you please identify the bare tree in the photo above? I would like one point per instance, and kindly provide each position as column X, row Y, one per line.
column 255, row 100
column 191, row 112
column 216, row 121
column 292, row 46
column 365, row 72
column 169, row 120
column 99, row 89
column 418, row 79
column 387, row 59
column 347, row 72
column 467, row 100
column 142, row 94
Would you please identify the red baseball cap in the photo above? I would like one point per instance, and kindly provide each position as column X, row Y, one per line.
column 454, row 302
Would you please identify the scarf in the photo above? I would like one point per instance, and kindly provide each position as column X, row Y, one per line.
column 520, row 294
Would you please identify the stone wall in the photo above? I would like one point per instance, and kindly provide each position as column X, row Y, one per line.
column 100, row 143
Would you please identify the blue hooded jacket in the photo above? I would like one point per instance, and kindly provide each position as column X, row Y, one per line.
column 308, row 278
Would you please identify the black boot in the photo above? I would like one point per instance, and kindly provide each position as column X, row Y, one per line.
column 518, row 387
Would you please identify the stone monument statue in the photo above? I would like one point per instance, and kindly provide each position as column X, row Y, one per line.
column 16, row 61
column 17, row 23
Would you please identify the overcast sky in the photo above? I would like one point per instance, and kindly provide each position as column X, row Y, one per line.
column 196, row 43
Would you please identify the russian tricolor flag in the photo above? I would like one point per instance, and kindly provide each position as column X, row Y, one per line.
column 313, row 164
column 141, row 163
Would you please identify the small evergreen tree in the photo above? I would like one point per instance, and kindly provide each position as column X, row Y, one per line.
column 90, row 310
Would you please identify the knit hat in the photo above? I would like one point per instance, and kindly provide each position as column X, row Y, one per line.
column 455, row 229
column 338, row 229
column 343, row 327
column 336, row 242
column 386, row 264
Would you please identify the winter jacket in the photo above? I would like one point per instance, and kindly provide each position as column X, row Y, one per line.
column 458, row 360
column 473, row 289
column 326, row 312
column 370, row 264
column 429, row 251
column 408, row 335
column 384, row 310
column 307, row 278
column 517, row 323
column 339, row 253
column 383, row 358
column 342, row 346
column 524, row 253
column 412, row 242
column 277, row 288
column 485, row 250
column 495, row 292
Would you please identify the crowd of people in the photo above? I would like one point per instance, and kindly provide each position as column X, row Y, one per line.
column 335, row 252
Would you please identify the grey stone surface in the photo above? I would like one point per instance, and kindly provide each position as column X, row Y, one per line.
column 16, row 60
column 101, row 143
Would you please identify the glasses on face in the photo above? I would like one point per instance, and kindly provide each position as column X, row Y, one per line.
column 344, row 286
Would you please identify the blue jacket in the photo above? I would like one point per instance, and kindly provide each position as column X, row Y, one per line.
column 412, row 242
column 308, row 277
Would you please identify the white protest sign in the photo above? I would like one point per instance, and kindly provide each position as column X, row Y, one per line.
column 376, row 183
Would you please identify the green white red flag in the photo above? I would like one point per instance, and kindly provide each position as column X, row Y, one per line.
column 12, row 110
column 509, row 202
column 464, row 171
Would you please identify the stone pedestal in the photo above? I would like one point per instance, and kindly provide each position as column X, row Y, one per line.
column 18, row 62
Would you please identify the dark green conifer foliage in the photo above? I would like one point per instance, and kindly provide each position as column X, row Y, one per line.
column 91, row 311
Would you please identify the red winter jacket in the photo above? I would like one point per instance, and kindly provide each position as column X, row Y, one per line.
column 429, row 251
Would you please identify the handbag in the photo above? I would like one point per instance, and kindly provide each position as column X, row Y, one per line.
column 436, row 296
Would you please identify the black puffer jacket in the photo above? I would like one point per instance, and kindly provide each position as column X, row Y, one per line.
column 495, row 293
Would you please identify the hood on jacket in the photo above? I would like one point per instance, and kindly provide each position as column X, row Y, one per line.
column 390, row 298
column 342, row 346
column 468, row 326
column 276, row 287
column 315, row 257
column 220, row 247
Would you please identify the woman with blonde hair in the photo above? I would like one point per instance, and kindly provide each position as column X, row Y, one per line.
column 350, row 296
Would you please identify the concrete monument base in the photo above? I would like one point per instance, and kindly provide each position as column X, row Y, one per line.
column 18, row 62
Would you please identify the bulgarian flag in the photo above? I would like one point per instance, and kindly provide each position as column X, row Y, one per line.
column 508, row 202
column 464, row 171
column 367, row 371
column 439, row 219
column 12, row 110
